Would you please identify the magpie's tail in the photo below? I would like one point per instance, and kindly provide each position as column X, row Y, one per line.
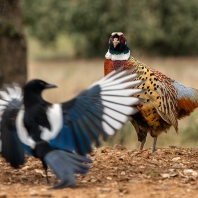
column 65, row 165
column 10, row 104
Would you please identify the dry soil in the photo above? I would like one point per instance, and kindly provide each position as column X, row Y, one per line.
column 115, row 172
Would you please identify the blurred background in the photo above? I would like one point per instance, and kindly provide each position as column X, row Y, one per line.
column 64, row 42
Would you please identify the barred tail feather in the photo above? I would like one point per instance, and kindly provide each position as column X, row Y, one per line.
column 187, row 99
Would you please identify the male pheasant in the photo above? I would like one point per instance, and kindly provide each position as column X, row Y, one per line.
column 166, row 100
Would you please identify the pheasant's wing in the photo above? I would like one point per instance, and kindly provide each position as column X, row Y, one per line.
column 100, row 110
column 166, row 101
column 11, row 147
column 168, row 107
column 161, row 96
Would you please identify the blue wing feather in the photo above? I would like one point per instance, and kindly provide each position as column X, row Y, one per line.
column 91, row 115
column 93, row 133
column 79, row 139
column 64, row 140
column 85, row 136
column 27, row 149
column 85, row 124
column 71, row 145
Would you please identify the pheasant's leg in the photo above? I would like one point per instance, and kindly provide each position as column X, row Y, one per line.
column 142, row 138
column 141, row 133
column 154, row 144
column 142, row 144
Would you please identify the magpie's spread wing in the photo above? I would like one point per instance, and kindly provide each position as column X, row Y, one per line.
column 11, row 146
column 98, row 111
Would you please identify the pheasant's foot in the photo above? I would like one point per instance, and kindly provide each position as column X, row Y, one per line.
column 154, row 144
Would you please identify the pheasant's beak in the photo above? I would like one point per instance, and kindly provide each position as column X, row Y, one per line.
column 115, row 42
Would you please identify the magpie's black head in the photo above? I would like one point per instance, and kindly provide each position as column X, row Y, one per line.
column 33, row 90
column 118, row 43
column 37, row 86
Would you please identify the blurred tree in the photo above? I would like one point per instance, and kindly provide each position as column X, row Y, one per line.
column 154, row 27
column 13, row 51
column 178, row 19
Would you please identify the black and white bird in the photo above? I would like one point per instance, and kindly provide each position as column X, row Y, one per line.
column 60, row 135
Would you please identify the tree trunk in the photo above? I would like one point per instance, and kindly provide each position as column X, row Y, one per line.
column 13, row 48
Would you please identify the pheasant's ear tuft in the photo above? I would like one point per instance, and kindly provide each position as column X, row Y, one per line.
column 118, row 33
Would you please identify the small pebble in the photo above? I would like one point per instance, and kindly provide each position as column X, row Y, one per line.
column 177, row 166
column 101, row 196
column 93, row 180
column 25, row 168
column 105, row 190
column 46, row 194
column 134, row 181
column 33, row 193
column 175, row 159
column 122, row 173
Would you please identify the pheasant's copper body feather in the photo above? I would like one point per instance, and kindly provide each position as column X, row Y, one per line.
column 166, row 100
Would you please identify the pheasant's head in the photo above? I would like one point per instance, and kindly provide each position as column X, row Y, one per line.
column 118, row 43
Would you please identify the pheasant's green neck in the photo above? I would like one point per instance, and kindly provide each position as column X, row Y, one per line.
column 116, row 55
column 115, row 52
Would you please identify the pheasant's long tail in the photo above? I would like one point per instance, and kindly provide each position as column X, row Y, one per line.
column 187, row 99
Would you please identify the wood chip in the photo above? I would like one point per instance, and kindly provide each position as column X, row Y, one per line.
column 175, row 159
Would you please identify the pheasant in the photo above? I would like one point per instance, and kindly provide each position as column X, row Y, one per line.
column 166, row 100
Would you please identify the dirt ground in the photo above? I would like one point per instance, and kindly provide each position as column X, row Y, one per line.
column 115, row 172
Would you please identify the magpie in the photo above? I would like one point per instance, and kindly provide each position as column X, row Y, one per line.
column 61, row 135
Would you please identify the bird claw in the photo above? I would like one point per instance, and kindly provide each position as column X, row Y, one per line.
column 64, row 183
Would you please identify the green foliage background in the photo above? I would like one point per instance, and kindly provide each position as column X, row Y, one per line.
column 154, row 27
